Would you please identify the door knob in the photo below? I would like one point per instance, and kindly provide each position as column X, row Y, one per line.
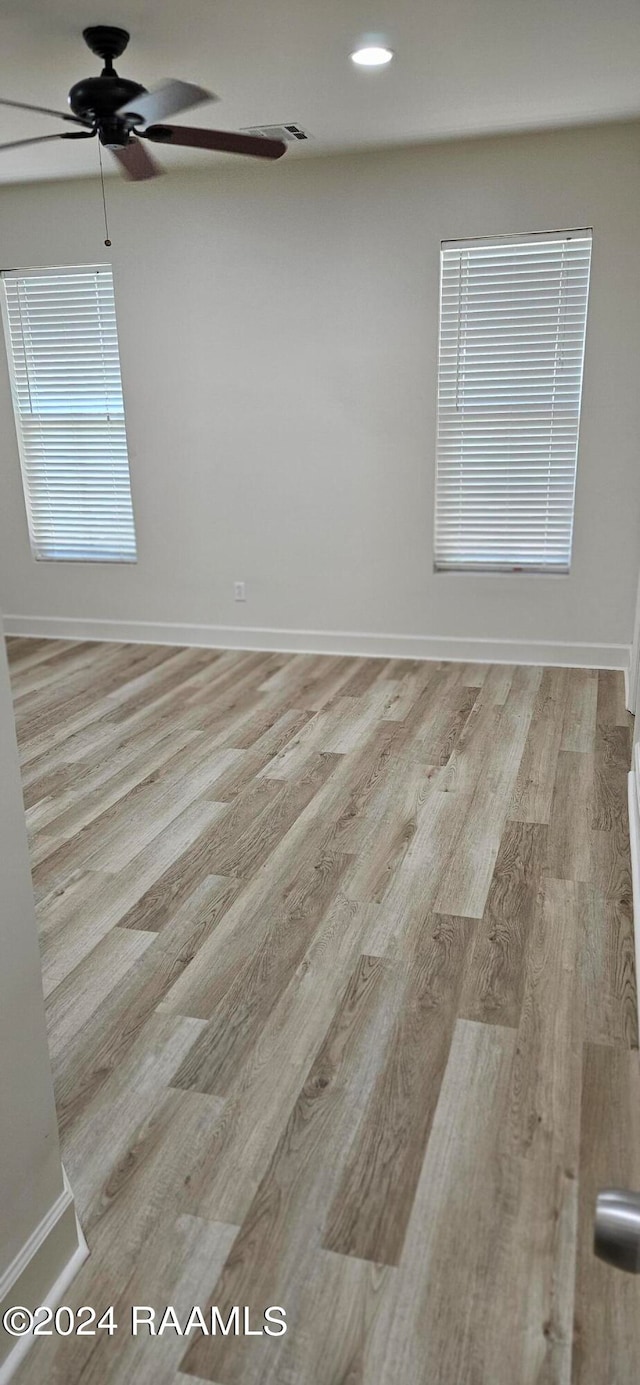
column 616, row 1233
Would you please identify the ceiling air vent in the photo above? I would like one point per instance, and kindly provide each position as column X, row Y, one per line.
column 290, row 133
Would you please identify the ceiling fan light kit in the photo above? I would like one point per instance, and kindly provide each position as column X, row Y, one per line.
column 121, row 113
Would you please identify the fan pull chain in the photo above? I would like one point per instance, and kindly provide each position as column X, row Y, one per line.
column 104, row 200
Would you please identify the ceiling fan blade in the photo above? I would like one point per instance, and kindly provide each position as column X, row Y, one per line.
column 224, row 141
column 135, row 162
column 167, row 99
column 44, row 110
column 43, row 139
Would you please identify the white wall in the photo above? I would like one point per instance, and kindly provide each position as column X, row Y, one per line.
column 278, row 334
column 38, row 1234
column 30, row 1163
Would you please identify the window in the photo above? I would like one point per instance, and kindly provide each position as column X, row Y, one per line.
column 513, row 316
column 62, row 344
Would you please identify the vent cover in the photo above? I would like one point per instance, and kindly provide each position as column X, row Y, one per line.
column 289, row 133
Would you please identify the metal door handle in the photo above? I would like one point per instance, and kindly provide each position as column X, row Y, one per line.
column 616, row 1232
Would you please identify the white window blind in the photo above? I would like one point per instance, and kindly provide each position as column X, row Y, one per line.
column 62, row 344
column 512, row 330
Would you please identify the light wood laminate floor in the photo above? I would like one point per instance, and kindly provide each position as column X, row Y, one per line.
column 338, row 965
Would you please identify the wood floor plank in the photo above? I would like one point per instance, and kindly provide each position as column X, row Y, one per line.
column 465, row 882
column 437, row 717
column 83, row 803
column 487, row 1271
column 569, row 839
column 384, row 821
column 247, row 984
column 70, row 1006
column 533, row 792
column 97, row 750
column 373, row 1202
column 156, row 908
column 328, row 682
column 607, row 1303
column 75, row 916
column 109, row 1033
column 580, row 711
column 117, row 835
column 66, row 660
column 148, row 1182
column 339, row 1304
column 496, row 685
column 357, row 716
column 102, row 1132
column 22, row 651
column 268, row 1084
column 612, row 710
column 48, row 794
column 608, row 970
column 494, row 976
column 106, row 714
column 283, row 887
column 171, row 1268
column 609, row 794
column 527, row 1332
column 423, row 1322
column 339, row 975
column 283, row 1222
column 140, row 675
column 125, row 1227
column 261, row 753
column 431, row 871
column 365, row 674
column 246, row 850
column 77, row 690
column 408, row 691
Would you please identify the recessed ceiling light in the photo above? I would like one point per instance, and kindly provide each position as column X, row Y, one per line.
column 372, row 57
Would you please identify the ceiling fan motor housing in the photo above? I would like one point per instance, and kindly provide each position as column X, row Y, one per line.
column 102, row 96
column 97, row 99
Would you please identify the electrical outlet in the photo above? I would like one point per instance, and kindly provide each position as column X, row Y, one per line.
column 239, row 591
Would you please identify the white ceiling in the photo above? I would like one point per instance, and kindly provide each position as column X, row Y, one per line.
column 461, row 67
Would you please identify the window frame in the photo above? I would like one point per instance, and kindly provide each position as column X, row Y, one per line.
column 28, row 490
column 503, row 569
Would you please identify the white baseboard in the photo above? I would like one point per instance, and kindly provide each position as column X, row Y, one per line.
column 42, row 1270
column 485, row 651
column 634, row 839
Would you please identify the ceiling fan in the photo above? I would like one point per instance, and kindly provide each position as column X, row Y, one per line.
column 121, row 113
